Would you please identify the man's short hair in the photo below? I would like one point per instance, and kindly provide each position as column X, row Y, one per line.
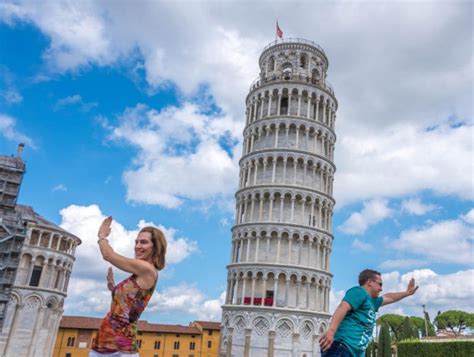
column 367, row 274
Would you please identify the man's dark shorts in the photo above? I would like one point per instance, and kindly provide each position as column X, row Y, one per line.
column 337, row 349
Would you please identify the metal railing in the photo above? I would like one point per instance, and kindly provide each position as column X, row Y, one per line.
column 298, row 78
column 293, row 40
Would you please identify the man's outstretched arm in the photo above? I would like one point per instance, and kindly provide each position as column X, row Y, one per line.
column 328, row 338
column 390, row 298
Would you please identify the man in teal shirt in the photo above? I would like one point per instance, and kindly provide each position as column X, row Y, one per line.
column 353, row 321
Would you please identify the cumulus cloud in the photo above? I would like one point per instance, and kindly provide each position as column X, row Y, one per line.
column 394, row 139
column 449, row 241
column 414, row 206
column 9, row 132
column 183, row 154
column 439, row 292
column 402, row 263
column 436, row 291
column 372, row 212
column 11, row 96
column 469, row 217
column 185, row 298
column 89, row 296
column 405, row 159
column 76, row 100
column 362, row 246
column 84, row 221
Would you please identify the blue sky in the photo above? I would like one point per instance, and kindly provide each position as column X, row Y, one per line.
column 126, row 111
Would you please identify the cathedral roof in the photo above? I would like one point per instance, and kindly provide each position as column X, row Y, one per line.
column 28, row 214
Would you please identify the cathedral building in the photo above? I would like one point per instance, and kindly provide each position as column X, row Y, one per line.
column 36, row 260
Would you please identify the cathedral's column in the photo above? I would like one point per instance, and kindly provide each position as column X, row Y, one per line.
column 13, row 327
column 34, row 338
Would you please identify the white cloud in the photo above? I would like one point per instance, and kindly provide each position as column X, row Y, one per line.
column 84, row 221
column 335, row 298
column 449, row 241
column 402, row 263
column 12, row 96
column 8, row 131
column 181, row 155
column 415, row 207
column 60, row 187
column 469, row 217
column 404, row 159
column 362, row 246
column 89, row 296
column 389, row 146
column 372, row 212
column 77, row 100
column 436, row 291
column 185, row 298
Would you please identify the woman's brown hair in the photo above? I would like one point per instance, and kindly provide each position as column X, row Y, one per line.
column 159, row 246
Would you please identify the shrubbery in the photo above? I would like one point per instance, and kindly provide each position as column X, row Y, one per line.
column 436, row 349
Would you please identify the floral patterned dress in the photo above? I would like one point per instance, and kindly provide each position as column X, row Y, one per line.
column 118, row 330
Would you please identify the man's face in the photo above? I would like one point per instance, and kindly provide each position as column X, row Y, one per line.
column 375, row 286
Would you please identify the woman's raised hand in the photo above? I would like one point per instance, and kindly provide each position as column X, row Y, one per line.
column 110, row 279
column 105, row 228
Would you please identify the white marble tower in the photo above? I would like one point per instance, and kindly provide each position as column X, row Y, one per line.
column 279, row 279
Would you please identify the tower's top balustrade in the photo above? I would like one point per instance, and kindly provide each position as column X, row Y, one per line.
column 291, row 43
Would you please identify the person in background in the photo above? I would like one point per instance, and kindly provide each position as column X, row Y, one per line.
column 353, row 321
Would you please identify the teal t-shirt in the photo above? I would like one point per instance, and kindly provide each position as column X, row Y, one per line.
column 358, row 324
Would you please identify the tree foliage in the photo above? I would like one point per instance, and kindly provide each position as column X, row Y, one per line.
column 454, row 320
column 395, row 322
column 384, row 348
column 408, row 330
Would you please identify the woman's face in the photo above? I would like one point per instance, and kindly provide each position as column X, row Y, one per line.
column 143, row 246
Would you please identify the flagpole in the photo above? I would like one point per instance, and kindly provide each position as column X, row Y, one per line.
column 276, row 30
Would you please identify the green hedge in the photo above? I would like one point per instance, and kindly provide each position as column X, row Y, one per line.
column 436, row 349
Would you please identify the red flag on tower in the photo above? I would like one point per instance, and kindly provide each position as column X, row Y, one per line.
column 279, row 32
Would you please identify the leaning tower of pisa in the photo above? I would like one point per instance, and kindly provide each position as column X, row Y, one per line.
column 278, row 283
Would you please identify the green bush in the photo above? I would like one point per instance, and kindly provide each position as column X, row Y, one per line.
column 436, row 349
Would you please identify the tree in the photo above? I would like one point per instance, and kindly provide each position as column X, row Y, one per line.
column 384, row 348
column 394, row 322
column 371, row 350
column 422, row 325
column 454, row 320
column 408, row 330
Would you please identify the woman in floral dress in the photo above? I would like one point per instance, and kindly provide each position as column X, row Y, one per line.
column 118, row 330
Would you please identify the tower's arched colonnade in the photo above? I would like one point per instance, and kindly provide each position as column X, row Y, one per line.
column 279, row 280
